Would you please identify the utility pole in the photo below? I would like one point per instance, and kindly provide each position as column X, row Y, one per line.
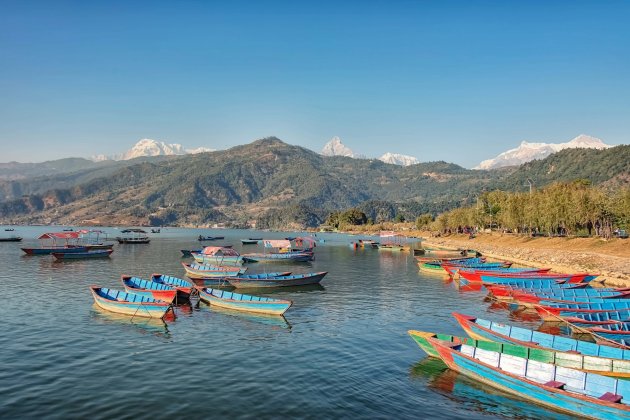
column 531, row 183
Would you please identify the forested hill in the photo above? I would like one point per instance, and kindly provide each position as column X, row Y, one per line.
column 268, row 180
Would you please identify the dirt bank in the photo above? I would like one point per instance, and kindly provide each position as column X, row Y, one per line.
column 609, row 258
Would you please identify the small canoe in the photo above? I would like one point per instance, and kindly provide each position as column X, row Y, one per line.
column 510, row 277
column 240, row 302
column 250, row 241
column 292, row 280
column 231, row 260
column 553, row 312
column 568, row 390
column 184, row 287
column 482, row 329
column 285, row 257
column 598, row 318
column 617, row 332
column 148, row 288
column 188, row 252
column 210, row 238
column 129, row 303
column 197, row 271
column 599, row 365
column 97, row 253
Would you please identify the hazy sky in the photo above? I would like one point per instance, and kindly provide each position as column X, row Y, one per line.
column 458, row 81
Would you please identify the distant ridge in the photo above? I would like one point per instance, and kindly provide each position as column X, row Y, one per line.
column 336, row 148
column 150, row 147
column 527, row 151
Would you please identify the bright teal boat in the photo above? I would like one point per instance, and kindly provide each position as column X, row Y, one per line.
column 241, row 302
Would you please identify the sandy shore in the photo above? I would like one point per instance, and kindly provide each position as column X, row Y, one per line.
column 611, row 259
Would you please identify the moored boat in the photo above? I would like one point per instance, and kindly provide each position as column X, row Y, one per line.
column 184, row 287
column 560, row 388
column 241, row 302
column 12, row 238
column 148, row 288
column 282, row 281
column 599, row 365
column 553, row 312
column 50, row 244
column 218, row 255
column 96, row 253
column 197, row 271
column 250, row 241
column 129, row 303
column 133, row 236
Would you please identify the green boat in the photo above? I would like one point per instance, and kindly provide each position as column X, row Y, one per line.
column 616, row 368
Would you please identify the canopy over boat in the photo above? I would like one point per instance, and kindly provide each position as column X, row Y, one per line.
column 60, row 235
column 277, row 243
column 220, row 251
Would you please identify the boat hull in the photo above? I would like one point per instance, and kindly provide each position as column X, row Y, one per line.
column 82, row 255
column 247, row 304
column 140, row 309
column 59, row 250
column 295, row 280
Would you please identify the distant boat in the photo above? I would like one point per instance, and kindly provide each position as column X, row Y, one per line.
column 209, row 238
column 283, row 281
column 9, row 230
column 240, row 302
column 129, row 303
column 218, row 255
column 250, row 241
column 188, row 252
column 97, row 253
column 50, row 243
column 197, row 271
column 11, row 239
column 158, row 230
column 368, row 243
column 133, row 236
column 184, row 287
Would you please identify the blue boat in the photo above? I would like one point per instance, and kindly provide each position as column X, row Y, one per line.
column 184, row 287
column 241, row 302
column 148, row 288
column 292, row 280
column 598, row 318
column 552, row 312
column 293, row 256
column 560, row 388
column 188, row 252
column 96, row 253
column 482, row 329
column 129, row 303
column 617, row 332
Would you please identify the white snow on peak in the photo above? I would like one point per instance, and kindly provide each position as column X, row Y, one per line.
column 398, row 159
column 529, row 151
column 149, row 147
column 336, row 148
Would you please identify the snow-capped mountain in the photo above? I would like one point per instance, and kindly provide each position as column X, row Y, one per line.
column 336, row 148
column 397, row 159
column 149, row 147
column 529, row 151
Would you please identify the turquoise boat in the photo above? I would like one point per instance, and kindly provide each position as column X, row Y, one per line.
column 564, row 389
column 129, row 303
column 283, row 281
column 241, row 302
column 482, row 329
column 184, row 287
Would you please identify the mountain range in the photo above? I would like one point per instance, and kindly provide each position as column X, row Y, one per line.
column 336, row 148
column 527, row 151
column 149, row 147
column 275, row 184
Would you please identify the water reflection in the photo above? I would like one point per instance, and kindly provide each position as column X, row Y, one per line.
column 474, row 395
column 153, row 326
column 277, row 321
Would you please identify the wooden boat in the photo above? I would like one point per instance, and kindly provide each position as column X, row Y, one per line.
column 560, row 388
column 505, row 290
column 598, row 318
column 96, row 253
column 218, row 255
column 619, row 332
column 50, row 242
column 133, row 236
column 95, row 239
column 250, row 241
column 431, row 267
column 285, row 257
column 129, row 303
column 446, row 252
column 553, row 312
column 240, row 302
column 9, row 230
column 197, row 271
column 615, row 368
column 569, row 296
column 148, row 288
column 283, row 281
column 498, row 277
column 184, row 287
column 368, row 243
column 11, row 239
column 209, row 238
column 482, row 329
column 522, row 271
column 154, row 230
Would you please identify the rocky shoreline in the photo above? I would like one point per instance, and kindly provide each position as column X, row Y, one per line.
column 610, row 260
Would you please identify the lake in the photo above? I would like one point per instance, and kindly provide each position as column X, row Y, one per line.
column 341, row 351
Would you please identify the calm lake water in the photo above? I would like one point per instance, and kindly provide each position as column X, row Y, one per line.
column 342, row 350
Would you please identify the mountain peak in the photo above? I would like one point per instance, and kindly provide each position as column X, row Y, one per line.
column 336, row 148
column 150, row 147
column 528, row 151
column 398, row 159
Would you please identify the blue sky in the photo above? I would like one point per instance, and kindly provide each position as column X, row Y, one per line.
column 458, row 81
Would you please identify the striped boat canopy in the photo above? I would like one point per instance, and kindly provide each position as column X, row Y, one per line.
column 220, row 251
column 277, row 243
column 60, row 235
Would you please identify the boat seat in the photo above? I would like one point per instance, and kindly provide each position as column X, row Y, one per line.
column 610, row 397
column 555, row 384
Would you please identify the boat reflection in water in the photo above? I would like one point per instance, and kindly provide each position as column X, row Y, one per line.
column 277, row 321
column 473, row 395
column 152, row 326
